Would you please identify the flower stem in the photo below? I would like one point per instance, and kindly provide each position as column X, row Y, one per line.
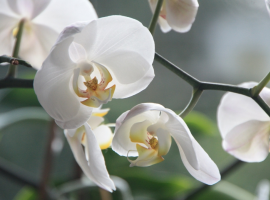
column 262, row 104
column 200, row 85
column 13, row 68
column 14, row 61
column 229, row 169
column 153, row 22
column 179, row 72
column 196, row 94
column 255, row 91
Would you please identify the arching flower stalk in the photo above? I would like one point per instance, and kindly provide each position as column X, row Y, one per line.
column 90, row 64
column 43, row 21
column 146, row 130
column 94, row 137
column 176, row 14
column 244, row 126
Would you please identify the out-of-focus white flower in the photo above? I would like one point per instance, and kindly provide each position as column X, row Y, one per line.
column 146, row 130
column 91, row 63
column 267, row 3
column 263, row 190
column 244, row 126
column 176, row 14
column 94, row 137
column 44, row 20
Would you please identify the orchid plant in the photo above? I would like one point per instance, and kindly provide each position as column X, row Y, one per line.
column 83, row 62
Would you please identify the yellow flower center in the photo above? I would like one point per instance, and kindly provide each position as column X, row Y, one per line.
column 153, row 142
column 92, row 84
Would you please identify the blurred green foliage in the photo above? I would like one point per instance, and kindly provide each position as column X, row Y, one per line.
column 26, row 193
column 200, row 125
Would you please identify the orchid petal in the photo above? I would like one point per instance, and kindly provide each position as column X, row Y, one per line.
column 104, row 136
column 6, row 36
column 6, row 10
column 235, row 109
column 164, row 26
column 82, row 116
column 138, row 132
column 207, row 172
column 181, row 14
column 181, row 134
column 100, row 112
column 128, row 69
column 146, row 157
column 122, row 33
column 73, row 10
column 77, row 52
column 36, row 44
column 28, row 8
column 52, row 85
column 248, row 141
column 164, row 141
column 95, row 121
column 94, row 168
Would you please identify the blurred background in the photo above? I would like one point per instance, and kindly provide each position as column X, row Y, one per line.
column 228, row 43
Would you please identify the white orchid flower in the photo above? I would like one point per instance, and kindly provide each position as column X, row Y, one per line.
column 93, row 137
column 244, row 126
column 91, row 63
column 146, row 130
column 44, row 20
column 176, row 14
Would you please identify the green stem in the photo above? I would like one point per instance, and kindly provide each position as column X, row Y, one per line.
column 179, row 72
column 255, row 91
column 225, row 87
column 14, row 61
column 196, row 94
column 13, row 68
column 200, row 85
column 153, row 22
column 262, row 104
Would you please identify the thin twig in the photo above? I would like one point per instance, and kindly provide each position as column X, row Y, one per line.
column 196, row 94
column 47, row 163
column 228, row 170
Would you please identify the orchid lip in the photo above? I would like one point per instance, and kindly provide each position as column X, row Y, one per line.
column 147, row 145
column 95, row 92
